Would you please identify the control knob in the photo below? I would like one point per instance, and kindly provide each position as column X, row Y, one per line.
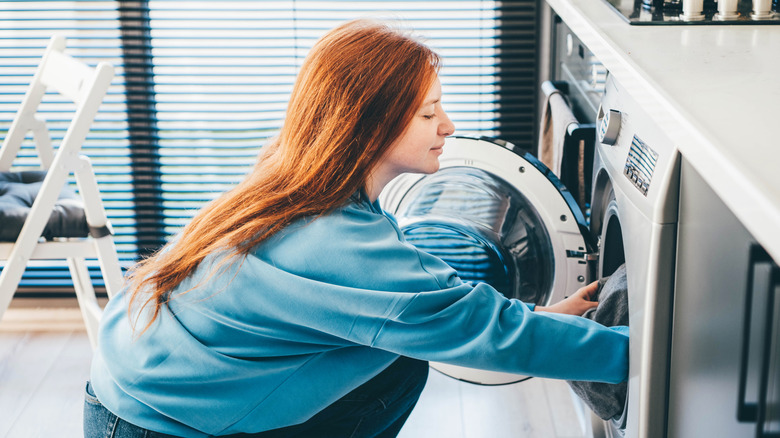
column 608, row 126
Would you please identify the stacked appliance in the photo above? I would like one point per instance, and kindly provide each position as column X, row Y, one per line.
column 500, row 216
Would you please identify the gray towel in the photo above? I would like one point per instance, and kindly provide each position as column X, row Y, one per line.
column 605, row 399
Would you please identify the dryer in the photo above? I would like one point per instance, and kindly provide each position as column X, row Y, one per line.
column 499, row 216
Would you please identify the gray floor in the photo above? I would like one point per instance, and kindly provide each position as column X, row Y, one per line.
column 45, row 356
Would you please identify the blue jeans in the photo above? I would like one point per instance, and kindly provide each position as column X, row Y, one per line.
column 378, row 408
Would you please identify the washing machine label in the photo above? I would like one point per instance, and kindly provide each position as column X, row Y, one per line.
column 640, row 164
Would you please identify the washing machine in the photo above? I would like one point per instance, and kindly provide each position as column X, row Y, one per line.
column 499, row 216
column 634, row 213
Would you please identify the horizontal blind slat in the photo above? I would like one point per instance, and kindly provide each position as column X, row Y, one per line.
column 219, row 76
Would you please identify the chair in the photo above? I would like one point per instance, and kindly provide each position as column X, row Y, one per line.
column 86, row 87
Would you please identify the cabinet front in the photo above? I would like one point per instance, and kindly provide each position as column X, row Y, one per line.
column 724, row 369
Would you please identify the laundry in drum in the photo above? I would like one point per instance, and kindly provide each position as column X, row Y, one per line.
column 605, row 399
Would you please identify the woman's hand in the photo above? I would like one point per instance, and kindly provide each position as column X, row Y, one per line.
column 576, row 304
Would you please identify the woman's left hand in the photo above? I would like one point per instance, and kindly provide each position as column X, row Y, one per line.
column 576, row 304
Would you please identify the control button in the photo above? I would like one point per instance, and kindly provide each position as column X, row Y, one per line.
column 727, row 10
column 692, row 10
column 608, row 126
column 762, row 10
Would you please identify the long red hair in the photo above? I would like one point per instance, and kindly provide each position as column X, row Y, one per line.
column 356, row 93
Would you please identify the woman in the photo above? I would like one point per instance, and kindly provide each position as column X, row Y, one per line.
column 292, row 306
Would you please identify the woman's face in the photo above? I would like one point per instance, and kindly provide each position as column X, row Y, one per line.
column 419, row 147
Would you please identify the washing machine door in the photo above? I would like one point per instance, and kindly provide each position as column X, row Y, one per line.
column 499, row 217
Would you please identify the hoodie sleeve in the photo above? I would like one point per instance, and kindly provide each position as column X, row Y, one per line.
column 376, row 289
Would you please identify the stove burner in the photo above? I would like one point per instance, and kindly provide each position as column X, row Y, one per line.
column 673, row 12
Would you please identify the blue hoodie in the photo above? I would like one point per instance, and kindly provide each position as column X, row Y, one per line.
column 314, row 312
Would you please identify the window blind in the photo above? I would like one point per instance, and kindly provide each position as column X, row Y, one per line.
column 92, row 32
column 202, row 85
column 224, row 70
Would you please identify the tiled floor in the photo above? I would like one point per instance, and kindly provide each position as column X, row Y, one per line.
column 43, row 367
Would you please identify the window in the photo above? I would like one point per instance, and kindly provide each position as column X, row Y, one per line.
column 92, row 30
column 202, row 85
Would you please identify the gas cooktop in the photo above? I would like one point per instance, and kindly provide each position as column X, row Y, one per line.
column 674, row 12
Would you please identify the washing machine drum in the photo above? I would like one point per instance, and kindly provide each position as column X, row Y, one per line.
column 482, row 227
column 497, row 217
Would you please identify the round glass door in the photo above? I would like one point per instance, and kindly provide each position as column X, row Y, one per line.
column 484, row 228
column 495, row 217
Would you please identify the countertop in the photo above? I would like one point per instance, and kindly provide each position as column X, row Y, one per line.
column 715, row 89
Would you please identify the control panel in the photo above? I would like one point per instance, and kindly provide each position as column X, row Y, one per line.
column 640, row 164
